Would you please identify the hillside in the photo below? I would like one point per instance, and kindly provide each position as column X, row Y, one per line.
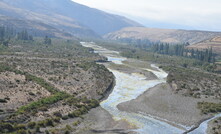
column 47, row 87
column 215, row 43
column 162, row 35
column 33, row 27
column 76, row 19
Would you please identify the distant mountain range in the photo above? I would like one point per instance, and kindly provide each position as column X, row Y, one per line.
column 67, row 19
column 61, row 16
column 162, row 35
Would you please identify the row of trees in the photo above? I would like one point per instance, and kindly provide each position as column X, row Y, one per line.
column 23, row 35
column 7, row 33
column 206, row 55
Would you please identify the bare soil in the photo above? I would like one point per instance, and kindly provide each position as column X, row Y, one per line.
column 161, row 102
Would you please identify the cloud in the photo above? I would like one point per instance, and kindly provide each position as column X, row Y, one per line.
column 197, row 14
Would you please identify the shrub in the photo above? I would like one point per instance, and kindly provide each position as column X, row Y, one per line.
column 37, row 129
column 44, row 108
column 56, row 119
column 47, row 132
column 41, row 123
column 31, row 125
column 3, row 101
column 207, row 107
column 65, row 117
column 76, row 113
column 76, row 123
column 83, row 110
column 21, row 131
column 68, row 127
column 7, row 98
column 6, row 127
column 57, row 114
column 31, row 93
column 93, row 103
column 71, row 115
column 43, row 102
column 67, row 132
column 49, row 122
column 20, row 127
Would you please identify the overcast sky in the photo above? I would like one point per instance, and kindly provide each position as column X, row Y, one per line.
column 181, row 14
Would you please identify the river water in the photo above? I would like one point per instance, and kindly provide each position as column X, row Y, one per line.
column 130, row 86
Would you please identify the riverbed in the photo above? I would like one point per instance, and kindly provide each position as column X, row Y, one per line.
column 129, row 87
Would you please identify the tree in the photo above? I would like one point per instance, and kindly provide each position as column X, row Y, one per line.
column 23, row 35
column 47, row 40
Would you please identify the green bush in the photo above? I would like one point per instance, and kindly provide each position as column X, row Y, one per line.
column 37, row 129
column 6, row 127
column 67, row 132
column 49, row 122
column 57, row 114
column 207, row 107
column 57, row 119
column 83, row 110
column 20, row 127
column 43, row 102
column 71, row 115
column 77, row 113
column 31, row 125
column 68, row 127
column 41, row 82
column 41, row 124
column 47, row 132
column 21, row 131
column 65, row 117
column 93, row 103
column 3, row 101
column 76, row 123
column 31, row 93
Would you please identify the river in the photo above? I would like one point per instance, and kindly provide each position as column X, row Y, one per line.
column 129, row 87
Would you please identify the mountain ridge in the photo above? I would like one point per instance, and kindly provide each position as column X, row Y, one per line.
column 162, row 35
column 75, row 18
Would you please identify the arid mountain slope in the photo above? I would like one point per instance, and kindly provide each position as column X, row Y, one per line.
column 65, row 15
column 33, row 27
column 162, row 35
column 215, row 43
column 57, row 21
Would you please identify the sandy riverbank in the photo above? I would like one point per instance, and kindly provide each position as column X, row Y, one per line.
column 161, row 102
column 99, row 120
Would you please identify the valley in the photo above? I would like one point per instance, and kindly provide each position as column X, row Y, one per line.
column 70, row 68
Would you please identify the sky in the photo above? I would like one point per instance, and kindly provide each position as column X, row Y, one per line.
column 175, row 14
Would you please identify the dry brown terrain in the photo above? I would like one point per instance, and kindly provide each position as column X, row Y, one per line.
column 215, row 43
column 161, row 102
column 18, row 91
column 49, row 85
column 214, row 126
column 163, row 35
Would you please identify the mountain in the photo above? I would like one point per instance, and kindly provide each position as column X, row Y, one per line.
column 65, row 15
column 33, row 27
column 162, row 35
column 215, row 43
